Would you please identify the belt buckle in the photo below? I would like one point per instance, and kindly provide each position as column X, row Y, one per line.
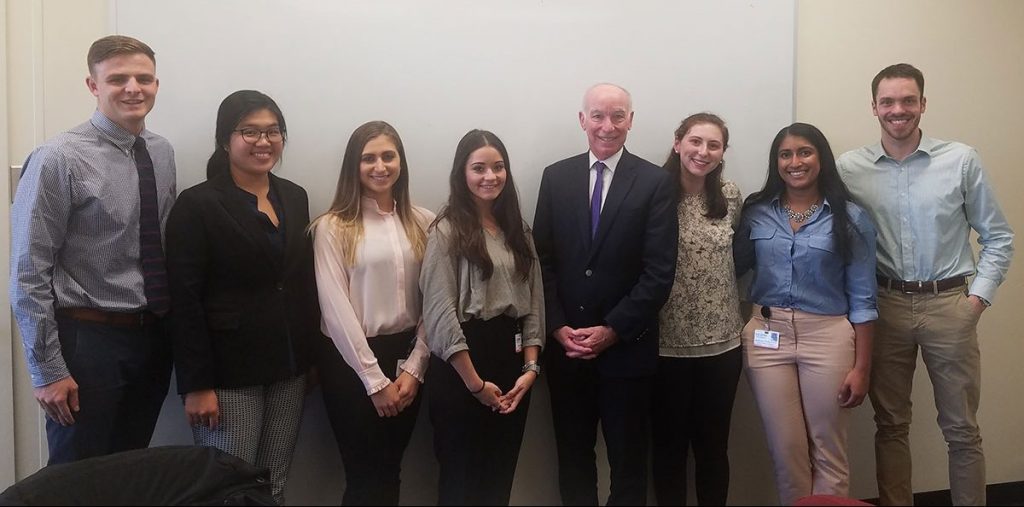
column 907, row 285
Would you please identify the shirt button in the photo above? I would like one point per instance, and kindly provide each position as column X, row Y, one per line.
column 581, row 308
column 588, row 273
column 280, row 285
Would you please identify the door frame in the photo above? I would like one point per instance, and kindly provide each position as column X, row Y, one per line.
column 7, row 443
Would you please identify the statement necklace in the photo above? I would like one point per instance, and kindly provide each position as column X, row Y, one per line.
column 799, row 217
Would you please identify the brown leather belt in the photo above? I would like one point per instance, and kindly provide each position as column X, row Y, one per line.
column 118, row 319
column 912, row 287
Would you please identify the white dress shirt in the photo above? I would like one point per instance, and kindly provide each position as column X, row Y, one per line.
column 606, row 181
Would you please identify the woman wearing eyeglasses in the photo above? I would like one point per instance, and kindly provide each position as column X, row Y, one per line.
column 243, row 292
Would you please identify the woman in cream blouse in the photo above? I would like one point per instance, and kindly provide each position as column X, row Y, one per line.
column 368, row 248
column 484, row 314
column 699, row 359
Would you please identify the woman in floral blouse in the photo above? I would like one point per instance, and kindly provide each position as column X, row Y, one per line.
column 700, row 358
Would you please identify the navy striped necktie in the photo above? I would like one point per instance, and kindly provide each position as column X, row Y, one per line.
column 151, row 251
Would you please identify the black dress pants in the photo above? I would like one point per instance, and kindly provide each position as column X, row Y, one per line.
column 580, row 398
column 477, row 448
column 371, row 446
column 123, row 375
column 692, row 407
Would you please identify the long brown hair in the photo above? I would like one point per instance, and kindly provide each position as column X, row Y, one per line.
column 713, row 195
column 346, row 212
column 461, row 212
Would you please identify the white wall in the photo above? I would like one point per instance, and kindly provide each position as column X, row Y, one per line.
column 969, row 52
column 437, row 69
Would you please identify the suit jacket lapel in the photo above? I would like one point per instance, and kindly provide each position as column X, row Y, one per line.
column 580, row 199
column 242, row 214
column 294, row 228
column 617, row 192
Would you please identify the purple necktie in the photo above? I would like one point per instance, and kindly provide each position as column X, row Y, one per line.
column 595, row 198
column 151, row 252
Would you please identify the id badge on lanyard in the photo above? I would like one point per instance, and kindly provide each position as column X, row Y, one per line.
column 766, row 338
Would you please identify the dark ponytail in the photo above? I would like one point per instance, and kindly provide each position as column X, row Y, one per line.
column 218, row 163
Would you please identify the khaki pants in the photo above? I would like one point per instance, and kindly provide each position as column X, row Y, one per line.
column 944, row 326
column 797, row 389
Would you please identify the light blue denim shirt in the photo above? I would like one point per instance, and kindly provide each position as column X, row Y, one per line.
column 803, row 269
column 925, row 208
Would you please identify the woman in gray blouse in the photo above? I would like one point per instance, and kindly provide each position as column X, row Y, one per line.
column 700, row 357
column 483, row 309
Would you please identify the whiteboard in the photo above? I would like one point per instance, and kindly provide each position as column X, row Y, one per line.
column 435, row 69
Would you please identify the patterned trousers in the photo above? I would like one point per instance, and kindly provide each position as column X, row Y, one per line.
column 259, row 424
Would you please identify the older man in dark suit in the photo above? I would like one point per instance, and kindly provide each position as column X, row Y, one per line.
column 606, row 234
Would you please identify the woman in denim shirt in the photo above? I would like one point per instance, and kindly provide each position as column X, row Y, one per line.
column 807, row 349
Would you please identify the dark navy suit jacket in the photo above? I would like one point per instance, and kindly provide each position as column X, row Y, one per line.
column 622, row 276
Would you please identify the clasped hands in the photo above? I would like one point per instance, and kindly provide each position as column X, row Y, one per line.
column 491, row 395
column 585, row 342
column 397, row 396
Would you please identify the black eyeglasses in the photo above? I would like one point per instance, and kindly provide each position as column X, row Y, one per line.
column 252, row 136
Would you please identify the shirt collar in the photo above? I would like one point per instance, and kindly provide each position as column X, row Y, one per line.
column 254, row 200
column 611, row 162
column 370, row 205
column 114, row 132
column 926, row 145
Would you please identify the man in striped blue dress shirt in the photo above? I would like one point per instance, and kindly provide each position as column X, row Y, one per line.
column 87, row 271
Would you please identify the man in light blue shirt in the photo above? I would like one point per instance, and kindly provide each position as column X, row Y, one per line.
column 925, row 196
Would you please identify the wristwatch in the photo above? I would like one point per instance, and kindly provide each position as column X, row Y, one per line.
column 983, row 300
column 532, row 366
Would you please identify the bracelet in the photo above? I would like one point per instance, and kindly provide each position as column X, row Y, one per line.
column 532, row 366
column 483, row 384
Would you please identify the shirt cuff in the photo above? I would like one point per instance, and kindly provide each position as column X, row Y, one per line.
column 862, row 316
column 44, row 374
column 984, row 288
column 374, row 380
column 454, row 348
column 534, row 342
column 412, row 370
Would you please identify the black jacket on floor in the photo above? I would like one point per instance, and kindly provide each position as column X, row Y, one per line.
column 175, row 475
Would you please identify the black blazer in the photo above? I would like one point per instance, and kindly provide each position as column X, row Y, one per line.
column 240, row 315
column 622, row 276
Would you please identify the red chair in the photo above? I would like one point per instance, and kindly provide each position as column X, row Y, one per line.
column 827, row 500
